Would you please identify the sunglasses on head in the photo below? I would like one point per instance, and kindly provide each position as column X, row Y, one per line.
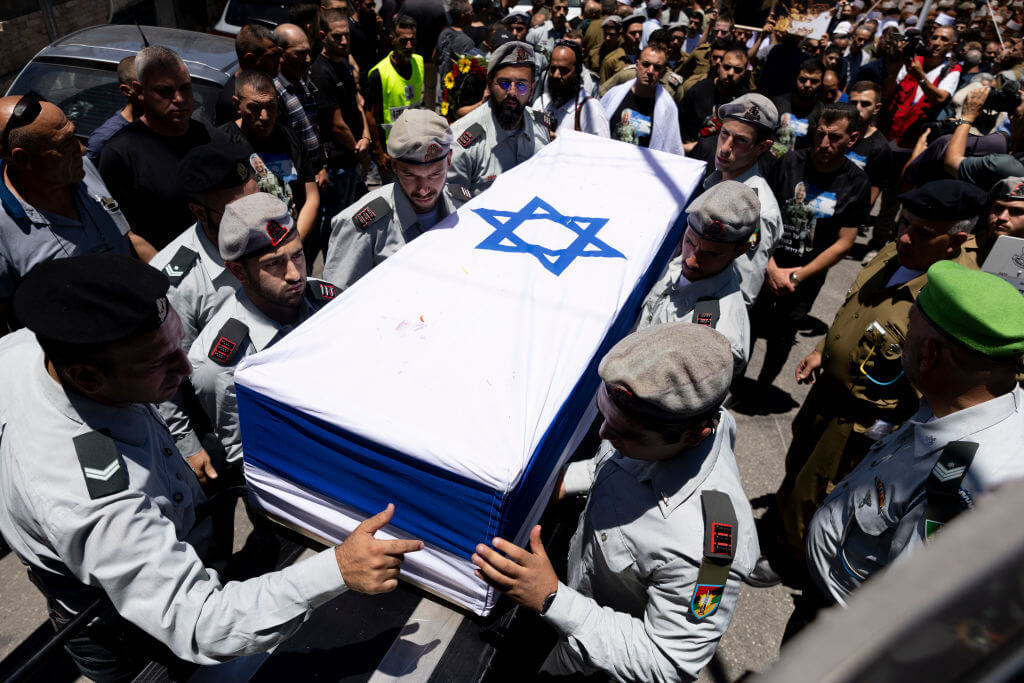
column 25, row 112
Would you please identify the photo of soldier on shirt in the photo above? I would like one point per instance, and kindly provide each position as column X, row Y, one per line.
column 800, row 215
column 273, row 178
column 633, row 127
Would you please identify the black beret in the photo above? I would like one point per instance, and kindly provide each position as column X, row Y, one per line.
column 92, row 299
column 945, row 200
column 217, row 165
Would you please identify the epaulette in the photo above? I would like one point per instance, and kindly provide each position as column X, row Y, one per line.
column 942, row 488
column 471, row 135
column 707, row 312
column 372, row 212
column 545, row 119
column 321, row 291
column 459, row 193
column 719, row 551
column 230, row 339
column 101, row 464
column 179, row 266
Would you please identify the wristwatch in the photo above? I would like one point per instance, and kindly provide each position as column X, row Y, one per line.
column 546, row 605
column 793, row 278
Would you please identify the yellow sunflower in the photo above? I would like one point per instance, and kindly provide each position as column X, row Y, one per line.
column 464, row 65
column 444, row 109
column 449, row 81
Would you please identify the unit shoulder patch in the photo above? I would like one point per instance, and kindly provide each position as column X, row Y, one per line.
column 471, row 135
column 180, row 265
column 372, row 212
column 102, row 465
column 228, row 342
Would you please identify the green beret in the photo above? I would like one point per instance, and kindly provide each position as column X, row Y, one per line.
column 982, row 311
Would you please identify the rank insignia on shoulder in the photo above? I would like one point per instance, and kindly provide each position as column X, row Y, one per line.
column 545, row 119
column 180, row 265
column 471, row 135
column 706, row 312
column 372, row 212
column 460, row 193
column 228, row 341
column 321, row 291
column 101, row 464
column 705, row 600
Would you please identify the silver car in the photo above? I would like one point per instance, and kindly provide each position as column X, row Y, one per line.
column 79, row 71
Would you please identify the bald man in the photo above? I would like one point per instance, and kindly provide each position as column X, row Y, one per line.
column 54, row 203
column 297, row 93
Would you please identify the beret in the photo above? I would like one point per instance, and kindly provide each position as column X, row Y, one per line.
column 752, row 108
column 516, row 18
column 728, row 212
column 500, row 37
column 612, row 19
column 217, row 165
column 92, row 299
column 252, row 224
column 982, row 311
column 513, row 53
column 633, row 19
column 1007, row 188
column 677, row 369
column 945, row 200
column 419, row 136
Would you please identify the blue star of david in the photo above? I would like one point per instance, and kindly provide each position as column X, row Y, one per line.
column 504, row 237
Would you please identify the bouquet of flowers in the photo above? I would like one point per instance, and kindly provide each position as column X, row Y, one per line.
column 467, row 74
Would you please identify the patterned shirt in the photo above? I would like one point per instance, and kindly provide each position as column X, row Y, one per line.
column 299, row 100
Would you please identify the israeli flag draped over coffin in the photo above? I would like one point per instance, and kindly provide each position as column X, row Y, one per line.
column 456, row 377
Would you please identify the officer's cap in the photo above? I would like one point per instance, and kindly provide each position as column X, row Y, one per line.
column 1008, row 188
column 981, row 311
column 514, row 53
column 92, row 299
column 676, row 370
column 252, row 224
column 612, row 19
column 419, row 136
column 633, row 19
column 752, row 108
column 944, row 200
column 516, row 18
column 728, row 212
column 217, row 165
column 500, row 37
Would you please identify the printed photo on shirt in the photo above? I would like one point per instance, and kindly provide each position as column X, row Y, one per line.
column 632, row 127
column 800, row 216
column 270, row 180
column 858, row 159
column 790, row 128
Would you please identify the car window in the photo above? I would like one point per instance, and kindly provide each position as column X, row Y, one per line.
column 90, row 96
column 241, row 12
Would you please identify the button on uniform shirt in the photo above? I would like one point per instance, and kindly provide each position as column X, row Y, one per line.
column 353, row 251
column 674, row 297
column 752, row 265
column 478, row 162
column 29, row 236
column 203, row 289
column 214, row 383
column 141, row 545
column 875, row 516
column 633, row 562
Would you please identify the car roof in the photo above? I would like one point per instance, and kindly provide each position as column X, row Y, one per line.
column 207, row 57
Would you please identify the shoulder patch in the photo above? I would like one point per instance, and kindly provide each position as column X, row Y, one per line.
column 180, row 265
column 101, row 464
column 707, row 312
column 545, row 119
column 229, row 340
column 471, row 135
column 321, row 291
column 459, row 193
column 372, row 212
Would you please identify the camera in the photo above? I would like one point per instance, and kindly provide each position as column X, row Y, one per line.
column 914, row 45
column 1007, row 99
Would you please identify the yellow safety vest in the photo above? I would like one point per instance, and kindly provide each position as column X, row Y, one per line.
column 399, row 93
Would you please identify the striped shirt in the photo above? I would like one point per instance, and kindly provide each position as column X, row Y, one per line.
column 299, row 102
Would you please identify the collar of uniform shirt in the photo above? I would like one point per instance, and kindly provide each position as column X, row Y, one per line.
column 699, row 288
column 208, row 254
column 262, row 330
column 932, row 433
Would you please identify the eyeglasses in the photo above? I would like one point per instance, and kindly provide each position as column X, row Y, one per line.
column 522, row 87
column 25, row 112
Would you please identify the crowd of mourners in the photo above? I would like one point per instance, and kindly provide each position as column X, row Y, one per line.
column 139, row 268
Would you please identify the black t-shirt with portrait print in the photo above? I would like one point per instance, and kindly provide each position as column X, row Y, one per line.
column 874, row 156
column 283, row 167
column 639, row 115
column 815, row 205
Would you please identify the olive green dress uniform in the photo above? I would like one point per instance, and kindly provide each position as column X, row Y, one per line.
column 843, row 404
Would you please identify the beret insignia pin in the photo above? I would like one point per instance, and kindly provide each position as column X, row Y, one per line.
column 276, row 232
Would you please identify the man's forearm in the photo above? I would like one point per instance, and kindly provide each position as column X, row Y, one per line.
column 957, row 148
column 831, row 256
column 309, row 213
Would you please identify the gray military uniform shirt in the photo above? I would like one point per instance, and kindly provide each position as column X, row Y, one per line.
column 214, row 359
column 634, row 560
column 483, row 149
column 138, row 541
column 200, row 284
column 674, row 299
column 875, row 516
column 29, row 236
column 375, row 227
column 752, row 265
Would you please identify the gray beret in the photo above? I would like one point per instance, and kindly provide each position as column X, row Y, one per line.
column 253, row 223
column 514, row 53
column 1007, row 188
column 751, row 108
column 612, row 19
column 728, row 212
column 678, row 369
column 419, row 136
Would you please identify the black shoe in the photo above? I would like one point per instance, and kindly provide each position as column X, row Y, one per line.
column 763, row 576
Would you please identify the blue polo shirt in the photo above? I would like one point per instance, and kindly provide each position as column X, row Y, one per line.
column 29, row 236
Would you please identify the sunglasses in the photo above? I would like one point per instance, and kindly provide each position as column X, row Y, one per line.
column 25, row 112
column 522, row 87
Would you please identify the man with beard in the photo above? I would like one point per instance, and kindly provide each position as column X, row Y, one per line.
column 645, row 106
column 629, row 52
column 698, row 105
column 497, row 136
column 385, row 220
column 393, row 85
column 563, row 97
